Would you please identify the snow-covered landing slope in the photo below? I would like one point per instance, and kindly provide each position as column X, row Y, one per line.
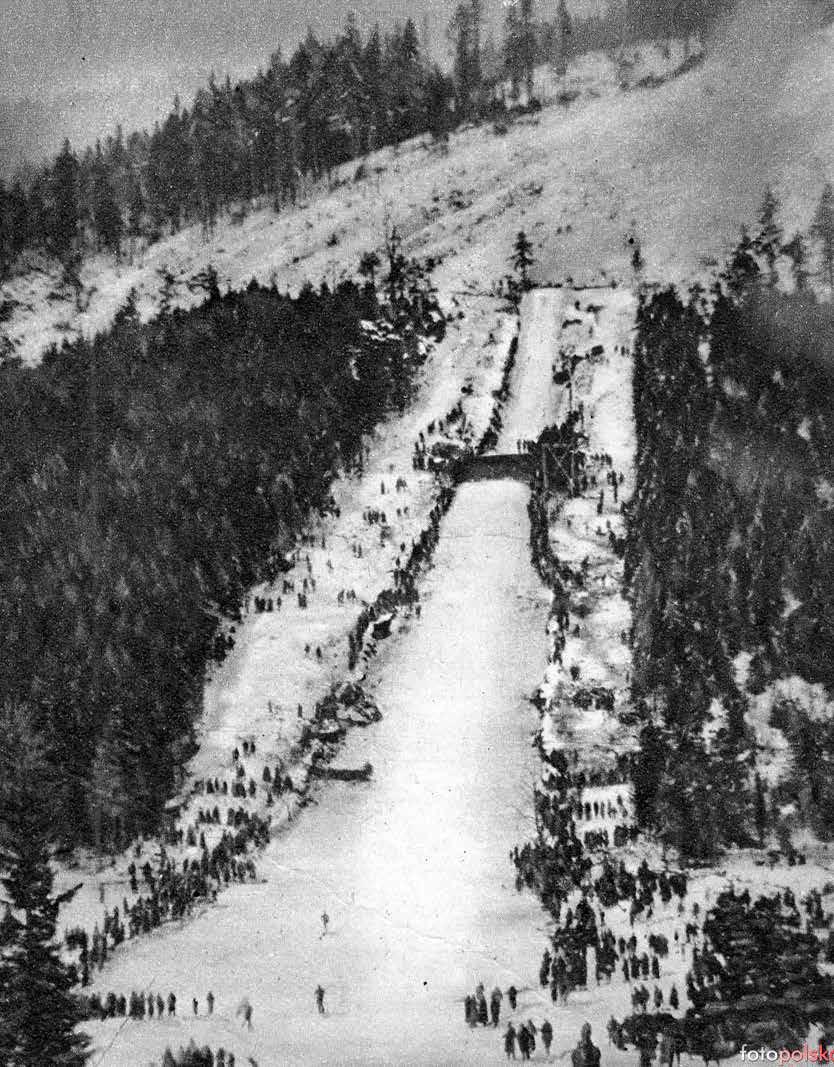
column 413, row 868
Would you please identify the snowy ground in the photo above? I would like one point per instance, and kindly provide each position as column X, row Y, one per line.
column 413, row 868
column 578, row 533
column 432, row 901
column 254, row 695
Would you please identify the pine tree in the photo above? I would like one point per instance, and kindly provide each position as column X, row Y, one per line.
column 107, row 216
column 167, row 290
column 65, row 207
column 368, row 266
column 38, row 1012
column 563, row 32
column 135, row 210
column 463, row 32
column 38, row 221
column 18, row 208
column 797, row 252
column 476, row 58
column 523, row 258
column 742, row 272
column 7, row 242
column 528, row 45
column 760, row 815
column 513, row 52
column 822, row 230
column 769, row 238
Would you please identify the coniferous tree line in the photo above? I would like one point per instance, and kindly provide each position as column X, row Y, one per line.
column 149, row 477
column 730, row 542
column 570, row 35
column 300, row 117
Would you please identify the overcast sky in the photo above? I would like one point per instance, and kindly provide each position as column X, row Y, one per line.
column 77, row 67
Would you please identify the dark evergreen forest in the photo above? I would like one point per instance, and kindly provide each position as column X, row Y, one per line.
column 330, row 102
column 731, row 534
column 149, row 477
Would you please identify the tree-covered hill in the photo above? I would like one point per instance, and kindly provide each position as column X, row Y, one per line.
column 149, row 476
column 731, row 539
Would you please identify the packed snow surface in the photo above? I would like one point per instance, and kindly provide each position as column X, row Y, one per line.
column 412, row 868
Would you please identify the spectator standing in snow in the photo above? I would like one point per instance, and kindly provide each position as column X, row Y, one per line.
column 480, row 998
column 320, row 999
column 586, row 1054
column 495, row 1005
column 469, row 1010
column 524, row 1042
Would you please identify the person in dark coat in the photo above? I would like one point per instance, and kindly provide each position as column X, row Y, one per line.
column 512, row 995
column 469, row 1009
column 483, row 1014
column 524, row 1042
column 172, row 1004
column 320, row 999
column 495, row 1005
column 547, row 1035
column 509, row 1042
column 586, row 1054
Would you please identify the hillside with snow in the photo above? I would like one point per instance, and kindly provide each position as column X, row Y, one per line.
column 677, row 167
column 399, row 773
